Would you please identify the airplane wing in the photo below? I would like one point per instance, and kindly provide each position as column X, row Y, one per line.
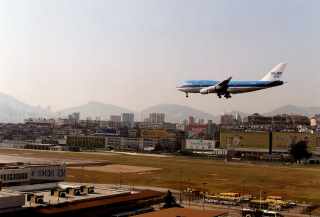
column 218, row 88
column 223, row 85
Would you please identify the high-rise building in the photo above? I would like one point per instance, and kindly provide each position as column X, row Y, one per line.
column 210, row 129
column 115, row 118
column 128, row 119
column 74, row 116
column 227, row 120
column 191, row 120
column 157, row 117
column 201, row 121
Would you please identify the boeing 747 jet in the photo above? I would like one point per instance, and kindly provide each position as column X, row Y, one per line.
column 227, row 87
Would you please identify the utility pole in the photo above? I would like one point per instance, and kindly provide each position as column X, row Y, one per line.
column 203, row 192
column 189, row 193
column 260, row 199
column 180, row 186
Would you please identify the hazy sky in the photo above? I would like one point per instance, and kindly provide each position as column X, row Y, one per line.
column 132, row 53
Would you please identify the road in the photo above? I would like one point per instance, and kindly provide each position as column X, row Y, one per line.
column 234, row 211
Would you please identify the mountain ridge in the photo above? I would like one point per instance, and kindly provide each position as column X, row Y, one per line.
column 14, row 110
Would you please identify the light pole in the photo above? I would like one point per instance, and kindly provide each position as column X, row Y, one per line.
column 260, row 199
column 180, row 186
column 203, row 192
column 189, row 193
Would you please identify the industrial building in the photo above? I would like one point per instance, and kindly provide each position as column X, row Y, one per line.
column 86, row 142
column 65, row 199
column 158, row 139
column 284, row 121
column 10, row 200
column 262, row 144
column 18, row 174
column 200, row 144
column 276, row 141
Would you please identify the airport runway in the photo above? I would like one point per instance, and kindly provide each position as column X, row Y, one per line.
column 19, row 158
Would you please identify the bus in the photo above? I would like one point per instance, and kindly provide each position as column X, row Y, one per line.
column 259, row 213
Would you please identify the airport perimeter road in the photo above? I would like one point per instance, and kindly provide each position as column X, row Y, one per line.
column 234, row 211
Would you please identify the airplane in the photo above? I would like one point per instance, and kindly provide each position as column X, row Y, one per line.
column 227, row 87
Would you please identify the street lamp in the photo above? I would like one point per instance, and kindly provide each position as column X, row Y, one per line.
column 203, row 192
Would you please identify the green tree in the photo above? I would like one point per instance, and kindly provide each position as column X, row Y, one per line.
column 299, row 151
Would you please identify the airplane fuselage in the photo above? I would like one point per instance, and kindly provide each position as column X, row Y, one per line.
column 228, row 86
column 234, row 87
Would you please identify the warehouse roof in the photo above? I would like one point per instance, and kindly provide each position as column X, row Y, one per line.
column 185, row 212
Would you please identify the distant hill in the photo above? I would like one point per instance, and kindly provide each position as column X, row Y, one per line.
column 292, row 109
column 242, row 114
column 176, row 113
column 93, row 110
column 13, row 110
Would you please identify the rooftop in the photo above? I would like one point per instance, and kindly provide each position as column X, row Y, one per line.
column 8, row 193
column 185, row 212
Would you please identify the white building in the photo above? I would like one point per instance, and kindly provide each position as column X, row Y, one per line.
column 48, row 172
column 156, row 117
column 23, row 174
column 128, row 119
column 200, row 144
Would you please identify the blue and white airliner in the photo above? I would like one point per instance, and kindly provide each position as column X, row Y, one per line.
column 227, row 87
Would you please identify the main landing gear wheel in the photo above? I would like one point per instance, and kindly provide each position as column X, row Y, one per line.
column 227, row 95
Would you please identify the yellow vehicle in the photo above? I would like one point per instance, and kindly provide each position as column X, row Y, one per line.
column 274, row 197
column 259, row 213
column 276, row 202
column 230, row 194
column 223, row 199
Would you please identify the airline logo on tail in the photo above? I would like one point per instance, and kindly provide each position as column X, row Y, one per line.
column 276, row 73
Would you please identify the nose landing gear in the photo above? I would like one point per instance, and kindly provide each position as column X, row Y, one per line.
column 187, row 94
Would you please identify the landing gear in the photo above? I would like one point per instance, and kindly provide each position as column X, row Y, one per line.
column 187, row 94
column 227, row 95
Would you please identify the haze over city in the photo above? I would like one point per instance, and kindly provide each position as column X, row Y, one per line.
column 159, row 108
column 133, row 53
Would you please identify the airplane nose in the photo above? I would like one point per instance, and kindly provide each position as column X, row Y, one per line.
column 180, row 88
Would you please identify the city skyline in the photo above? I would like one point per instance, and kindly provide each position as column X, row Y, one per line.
column 124, row 108
column 132, row 54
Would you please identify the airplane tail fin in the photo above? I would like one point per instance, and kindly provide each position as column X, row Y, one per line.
column 275, row 73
